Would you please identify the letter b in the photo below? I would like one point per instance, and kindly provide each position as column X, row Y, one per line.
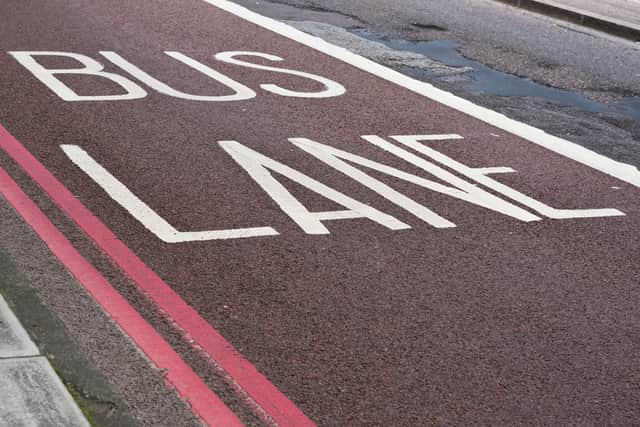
column 91, row 68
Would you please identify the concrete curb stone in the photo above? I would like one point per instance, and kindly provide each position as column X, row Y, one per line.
column 578, row 16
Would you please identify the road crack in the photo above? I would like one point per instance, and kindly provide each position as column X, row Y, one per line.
column 317, row 8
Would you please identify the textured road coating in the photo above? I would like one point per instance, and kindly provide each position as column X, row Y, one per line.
column 89, row 352
column 495, row 321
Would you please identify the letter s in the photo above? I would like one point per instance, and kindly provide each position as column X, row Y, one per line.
column 331, row 88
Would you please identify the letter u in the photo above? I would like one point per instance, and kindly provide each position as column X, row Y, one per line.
column 241, row 92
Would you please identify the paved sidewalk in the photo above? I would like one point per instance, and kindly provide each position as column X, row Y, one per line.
column 625, row 11
column 31, row 394
column 617, row 17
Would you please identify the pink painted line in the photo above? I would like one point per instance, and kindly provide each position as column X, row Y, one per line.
column 204, row 403
column 242, row 373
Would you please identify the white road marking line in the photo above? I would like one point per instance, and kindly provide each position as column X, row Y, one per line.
column 619, row 170
column 494, row 170
column 258, row 165
column 415, row 143
column 143, row 213
column 460, row 189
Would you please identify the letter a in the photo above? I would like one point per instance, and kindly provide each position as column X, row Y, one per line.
column 258, row 165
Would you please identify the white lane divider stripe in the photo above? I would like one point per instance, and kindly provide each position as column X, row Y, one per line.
column 619, row 170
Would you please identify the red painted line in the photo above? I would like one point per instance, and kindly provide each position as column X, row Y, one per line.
column 203, row 401
column 274, row 404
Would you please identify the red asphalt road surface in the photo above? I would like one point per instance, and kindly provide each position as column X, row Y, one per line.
column 493, row 321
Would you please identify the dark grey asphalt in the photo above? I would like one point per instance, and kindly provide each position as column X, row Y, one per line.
column 497, row 35
column 553, row 53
